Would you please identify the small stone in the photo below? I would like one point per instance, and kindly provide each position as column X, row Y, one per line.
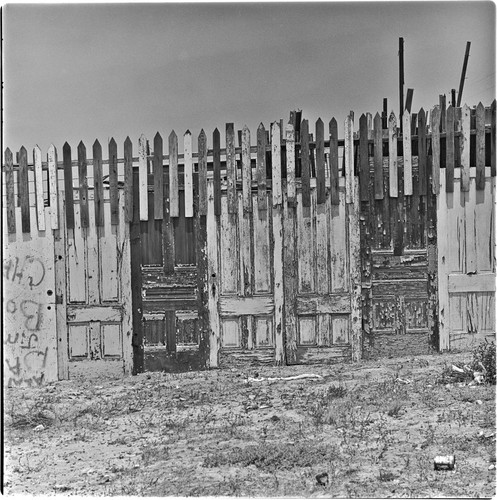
column 479, row 402
column 491, row 467
column 39, row 428
column 322, row 479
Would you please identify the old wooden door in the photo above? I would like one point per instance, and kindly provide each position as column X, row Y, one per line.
column 98, row 295
column 466, row 261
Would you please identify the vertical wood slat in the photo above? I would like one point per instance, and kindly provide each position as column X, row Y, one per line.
column 363, row 158
column 113, row 186
column 304, row 153
column 202, row 173
column 464, row 146
column 443, row 113
column 349, row 157
column 68, row 183
column 492, row 139
column 406, row 144
column 276, row 164
column 435, row 148
column 216, row 159
column 158, row 178
column 23, row 190
column 320, row 172
column 392, row 157
column 480, row 147
column 277, row 227
column 128, row 179
column 378, row 158
column 142, row 178
column 261, row 170
column 246, row 171
column 334, row 193
column 422, row 152
column 290, row 162
column 231, row 168
column 173, row 175
column 9, row 188
column 188, row 158
column 449, row 150
column 40, row 203
column 83, row 186
column 98, row 187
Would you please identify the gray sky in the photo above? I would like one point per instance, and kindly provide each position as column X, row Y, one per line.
column 84, row 71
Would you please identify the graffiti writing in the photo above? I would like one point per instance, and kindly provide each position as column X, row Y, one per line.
column 30, row 309
column 31, row 272
column 30, row 382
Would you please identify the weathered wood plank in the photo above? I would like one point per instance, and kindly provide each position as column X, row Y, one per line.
column 305, row 164
column 378, row 158
column 202, row 173
column 443, row 112
column 92, row 259
column 278, row 238
column 480, row 147
column 320, row 172
column 290, row 163
column 173, row 175
column 168, row 243
column 422, row 151
column 470, row 226
column 492, row 139
column 393, row 179
column 305, row 246
column 261, row 171
column 335, row 303
column 231, row 169
column 363, row 158
column 435, row 148
column 262, row 261
column 98, row 184
column 442, row 256
column 349, row 157
column 406, row 143
column 83, row 185
column 213, row 276
column 109, row 257
column 39, row 200
column 246, row 306
column 76, row 260
column 334, row 194
column 216, row 159
column 464, row 140
column 158, row 178
column 229, row 245
column 142, row 178
column 128, row 179
column 68, row 186
column 9, row 189
column 322, row 250
column 23, row 190
column 188, row 159
column 450, row 151
column 113, row 183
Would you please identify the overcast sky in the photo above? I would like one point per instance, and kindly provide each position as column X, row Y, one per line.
column 80, row 72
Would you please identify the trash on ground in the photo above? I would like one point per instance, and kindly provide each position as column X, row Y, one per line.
column 322, row 479
column 294, row 377
column 445, row 462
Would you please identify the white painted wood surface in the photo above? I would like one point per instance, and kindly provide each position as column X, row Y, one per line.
column 53, row 182
column 349, row 158
column 465, row 126
column 143, row 177
column 290, row 162
column 406, row 142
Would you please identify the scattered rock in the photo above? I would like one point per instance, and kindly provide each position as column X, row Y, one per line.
column 39, row 428
column 491, row 467
column 479, row 402
column 322, row 479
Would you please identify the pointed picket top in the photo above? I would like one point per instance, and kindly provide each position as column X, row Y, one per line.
column 202, row 134
column 23, row 151
column 261, row 127
column 127, row 142
column 96, row 144
column 8, row 152
column 187, row 133
column 66, row 148
column 157, row 136
column 392, row 118
column 172, row 135
column 319, row 123
column 81, row 145
column 333, row 124
column 377, row 120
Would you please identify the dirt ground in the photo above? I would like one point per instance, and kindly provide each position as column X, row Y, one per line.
column 369, row 429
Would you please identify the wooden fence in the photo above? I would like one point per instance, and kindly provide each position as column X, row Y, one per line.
column 307, row 248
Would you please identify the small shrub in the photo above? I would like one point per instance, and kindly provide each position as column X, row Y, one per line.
column 484, row 360
column 394, row 409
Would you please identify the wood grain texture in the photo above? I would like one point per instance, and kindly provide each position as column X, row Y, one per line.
column 305, row 163
column 450, row 150
column 334, row 175
column 231, row 169
column 216, row 161
column 173, row 175
column 262, row 260
column 188, row 159
column 422, row 152
column 39, row 199
column 320, row 167
column 393, row 181
column 277, row 196
column 464, row 143
column 480, row 147
column 142, row 184
column 406, row 145
column 68, row 186
column 492, row 139
column 128, row 179
column 378, row 158
column 363, row 158
column 202, row 173
column 349, row 157
column 83, row 186
column 435, row 147
column 9, row 191
column 290, row 163
column 158, row 171
column 98, row 186
column 23, row 190
column 261, row 171
column 443, row 112
column 113, row 183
